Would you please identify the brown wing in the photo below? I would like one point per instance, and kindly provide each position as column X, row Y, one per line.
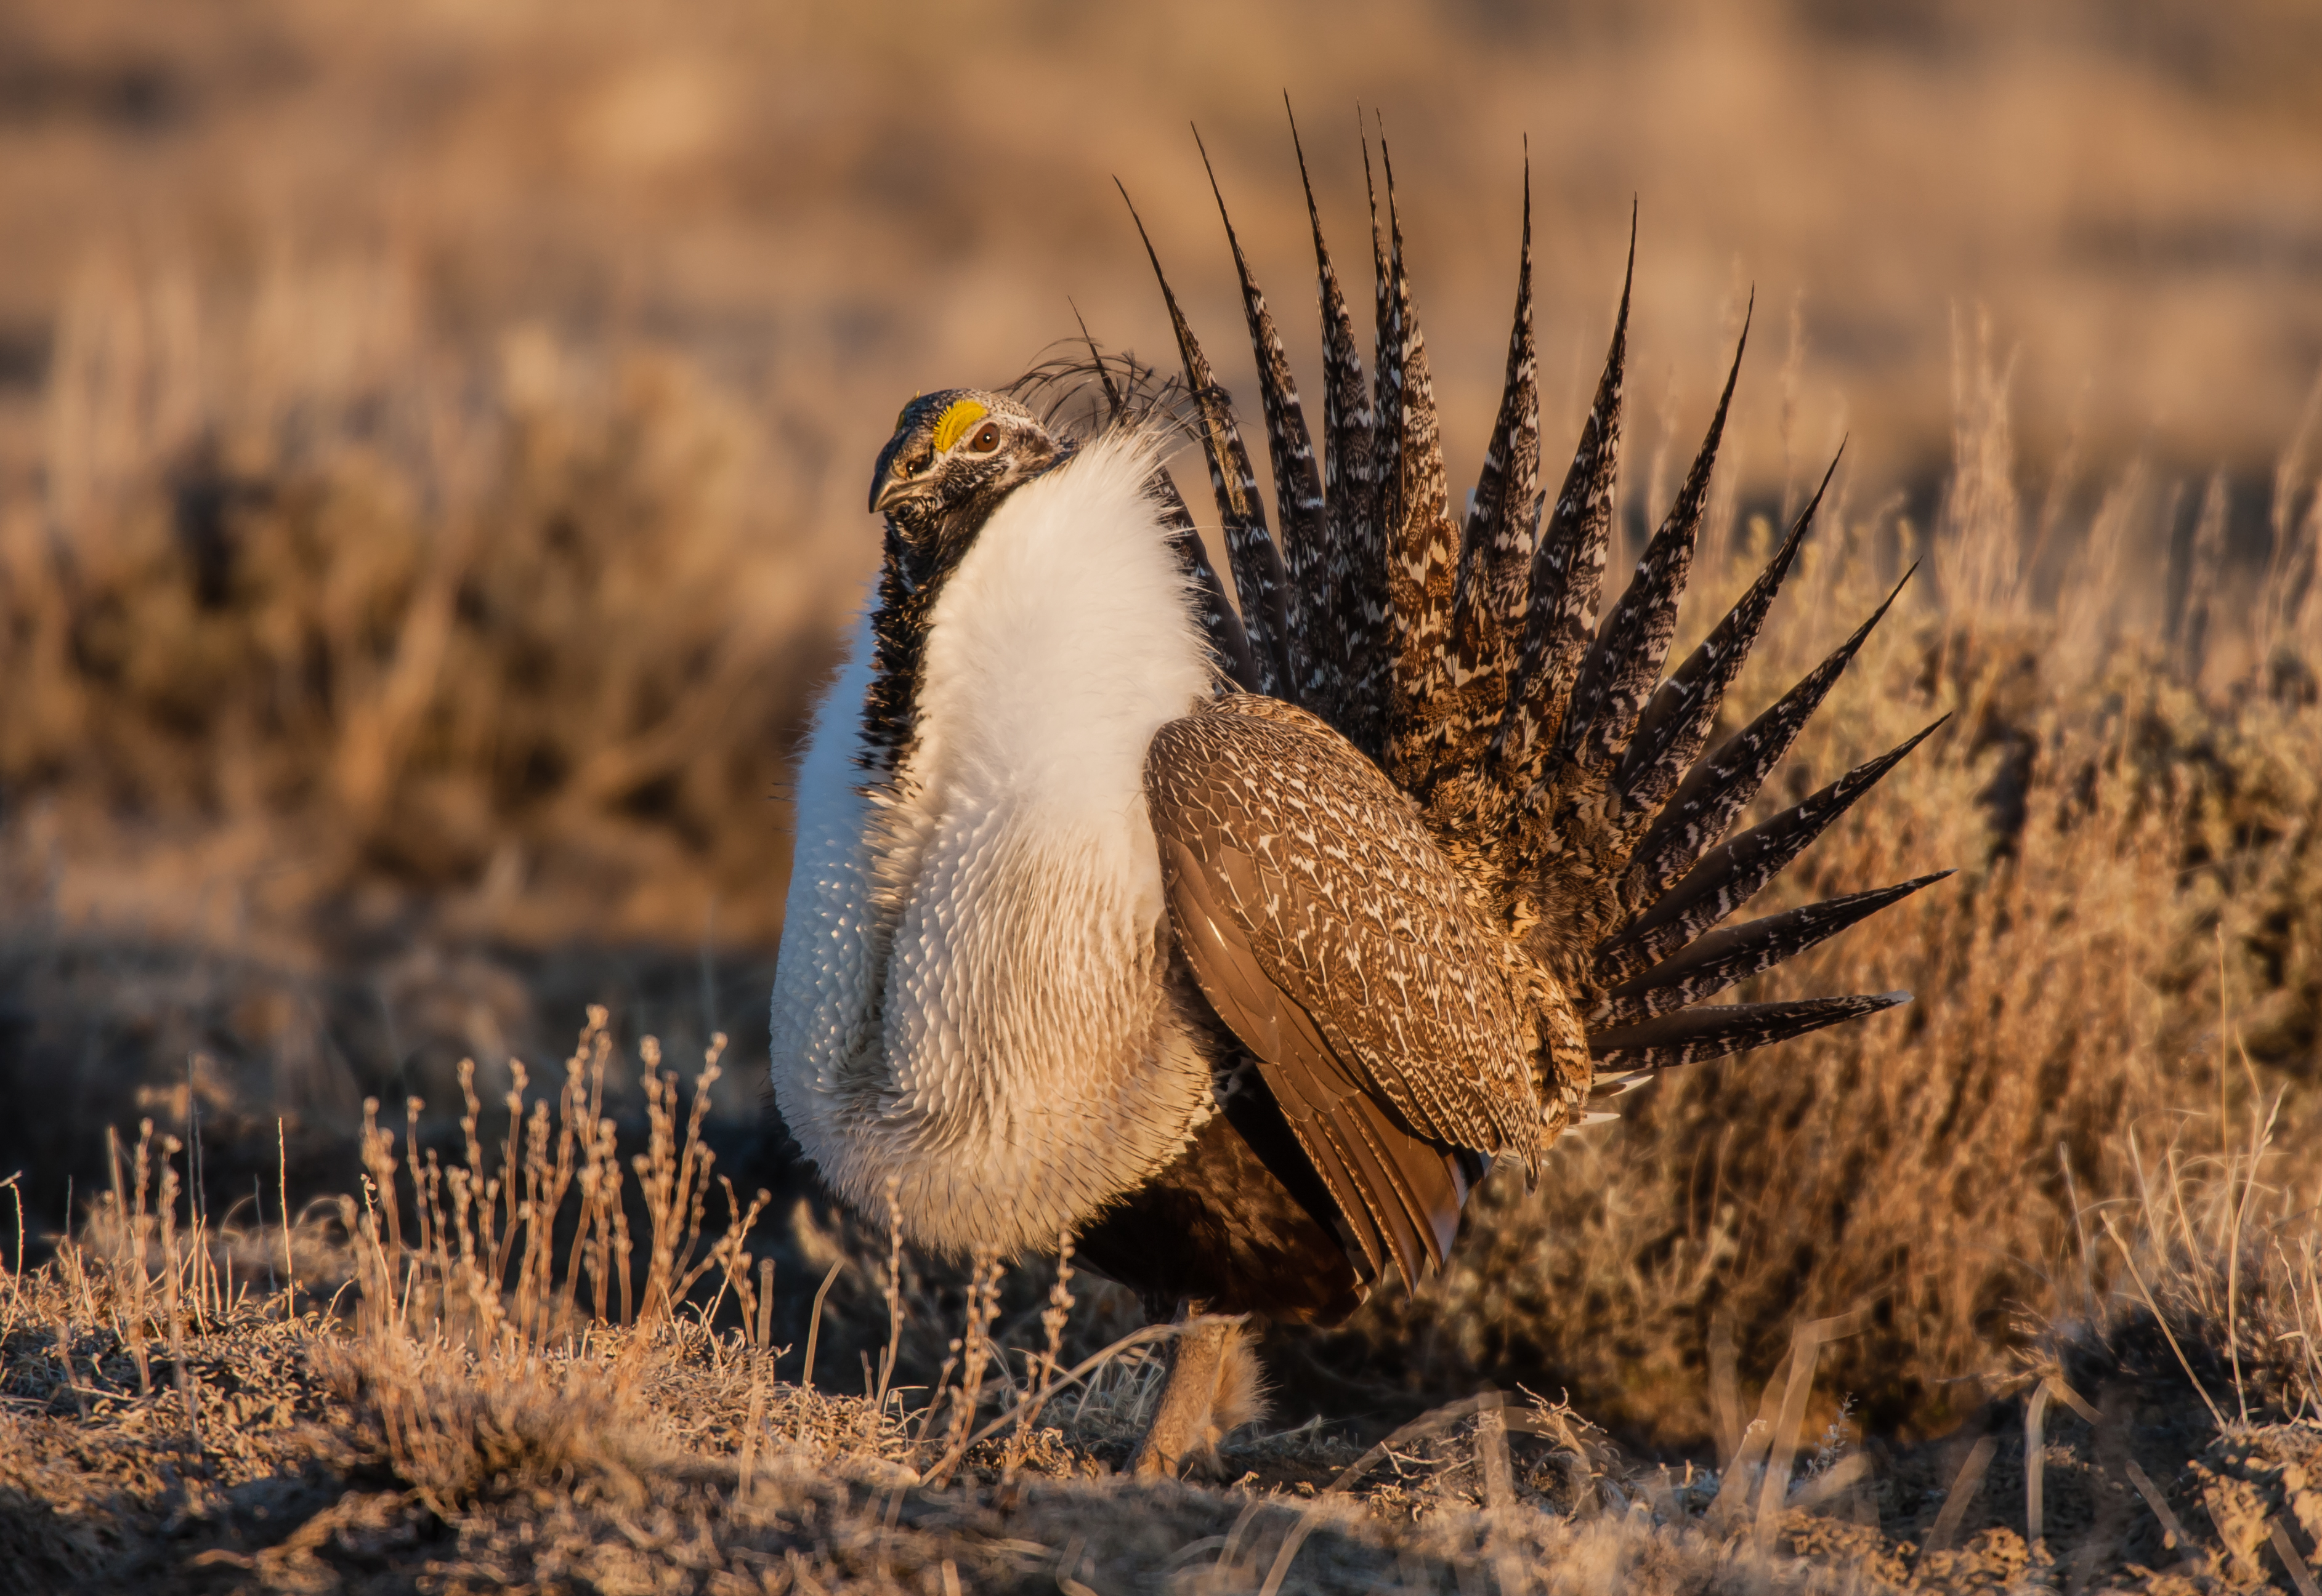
column 1337, row 944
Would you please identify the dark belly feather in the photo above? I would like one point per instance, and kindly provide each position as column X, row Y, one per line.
column 1240, row 1223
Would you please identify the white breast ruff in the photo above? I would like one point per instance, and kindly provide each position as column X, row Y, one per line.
column 968, row 997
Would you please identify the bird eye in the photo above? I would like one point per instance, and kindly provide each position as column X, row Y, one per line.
column 986, row 440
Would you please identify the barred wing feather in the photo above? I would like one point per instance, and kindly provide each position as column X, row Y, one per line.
column 1336, row 942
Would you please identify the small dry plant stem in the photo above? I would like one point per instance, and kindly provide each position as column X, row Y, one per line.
column 760, row 1325
column 506, row 1216
column 2035, row 1465
column 942, row 1384
column 814, row 1325
column 69, row 1258
column 1962, row 1495
column 374, row 1275
column 472, row 1199
column 2233, row 1244
column 2225, row 1041
column 2080, row 1233
column 2192, row 1242
column 2260, row 1138
column 64, row 1356
column 673, row 1173
column 419, row 1214
column 172, row 1298
column 601, row 1236
column 974, row 1355
column 378, row 1160
column 731, row 1254
column 129, row 1255
column 1043, row 1372
column 764, row 1326
column 1806, row 1342
column 749, row 1464
column 535, row 1270
column 894, row 1286
column 14, row 1190
column 2313, row 1294
column 474, row 1196
column 1498, row 1469
column 201, row 1282
column 582, row 1102
column 380, row 1232
column 282, row 1196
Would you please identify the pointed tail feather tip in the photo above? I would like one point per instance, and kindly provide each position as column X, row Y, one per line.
column 1678, row 841
column 1720, row 958
column 1698, row 1034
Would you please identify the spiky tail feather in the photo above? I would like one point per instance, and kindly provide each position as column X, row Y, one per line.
column 1297, row 484
column 1495, row 551
column 1470, row 663
column 1711, row 1030
column 1250, row 552
column 1618, row 674
column 1349, row 649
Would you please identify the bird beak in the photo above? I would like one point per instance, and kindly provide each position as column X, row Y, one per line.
column 890, row 490
column 890, row 484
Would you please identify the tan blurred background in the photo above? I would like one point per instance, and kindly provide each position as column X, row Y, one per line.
column 811, row 201
column 432, row 436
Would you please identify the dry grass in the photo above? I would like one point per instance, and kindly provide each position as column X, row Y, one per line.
column 422, row 1400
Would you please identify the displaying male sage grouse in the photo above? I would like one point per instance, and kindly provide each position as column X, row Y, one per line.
column 1239, row 947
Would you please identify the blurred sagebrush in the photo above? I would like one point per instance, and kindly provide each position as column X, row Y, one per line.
column 528, row 631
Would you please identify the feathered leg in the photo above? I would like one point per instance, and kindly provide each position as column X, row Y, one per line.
column 1213, row 1387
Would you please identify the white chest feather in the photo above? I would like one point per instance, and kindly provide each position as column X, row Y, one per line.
column 968, row 1000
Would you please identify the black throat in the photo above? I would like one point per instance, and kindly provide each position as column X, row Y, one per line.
column 923, row 548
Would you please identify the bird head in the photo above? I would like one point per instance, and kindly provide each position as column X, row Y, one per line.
column 958, row 450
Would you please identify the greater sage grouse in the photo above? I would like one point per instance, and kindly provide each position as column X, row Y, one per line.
column 1238, row 944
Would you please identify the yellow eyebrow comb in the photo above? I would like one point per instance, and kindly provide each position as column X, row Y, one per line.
column 963, row 415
